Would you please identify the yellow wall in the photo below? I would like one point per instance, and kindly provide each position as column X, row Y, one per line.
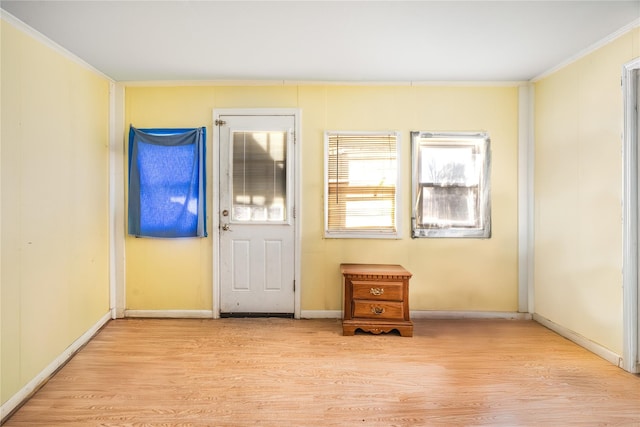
column 54, row 176
column 578, row 194
column 449, row 274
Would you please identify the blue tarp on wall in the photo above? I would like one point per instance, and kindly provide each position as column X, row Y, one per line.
column 167, row 182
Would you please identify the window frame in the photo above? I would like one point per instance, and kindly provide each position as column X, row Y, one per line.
column 368, row 233
column 481, row 142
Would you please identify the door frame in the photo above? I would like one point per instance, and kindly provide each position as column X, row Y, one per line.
column 215, row 211
column 631, row 218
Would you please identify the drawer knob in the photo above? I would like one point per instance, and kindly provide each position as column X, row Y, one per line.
column 377, row 310
column 376, row 291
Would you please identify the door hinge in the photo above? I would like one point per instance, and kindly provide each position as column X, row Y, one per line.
column 220, row 122
column 294, row 286
column 294, row 212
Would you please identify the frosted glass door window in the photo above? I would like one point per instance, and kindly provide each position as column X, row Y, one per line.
column 259, row 184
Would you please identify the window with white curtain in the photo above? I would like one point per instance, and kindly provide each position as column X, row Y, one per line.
column 451, row 192
column 361, row 184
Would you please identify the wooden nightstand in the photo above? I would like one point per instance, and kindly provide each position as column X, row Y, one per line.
column 376, row 299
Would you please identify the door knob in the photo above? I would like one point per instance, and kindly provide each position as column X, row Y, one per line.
column 225, row 227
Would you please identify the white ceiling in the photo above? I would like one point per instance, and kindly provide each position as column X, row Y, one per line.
column 359, row 41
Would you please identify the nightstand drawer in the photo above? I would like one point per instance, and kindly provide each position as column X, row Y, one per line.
column 378, row 309
column 388, row 291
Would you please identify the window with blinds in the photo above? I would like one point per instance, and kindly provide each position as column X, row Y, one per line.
column 361, row 191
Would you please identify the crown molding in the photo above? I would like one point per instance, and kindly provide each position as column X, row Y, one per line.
column 25, row 28
column 294, row 83
column 597, row 45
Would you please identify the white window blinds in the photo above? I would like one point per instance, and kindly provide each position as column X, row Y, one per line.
column 361, row 184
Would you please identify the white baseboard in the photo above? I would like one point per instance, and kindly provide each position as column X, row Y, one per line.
column 321, row 314
column 170, row 314
column 427, row 314
column 586, row 343
column 23, row 394
column 435, row 314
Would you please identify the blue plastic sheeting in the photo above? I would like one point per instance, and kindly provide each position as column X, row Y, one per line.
column 167, row 186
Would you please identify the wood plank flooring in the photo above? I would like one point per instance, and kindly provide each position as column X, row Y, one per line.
column 284, row 372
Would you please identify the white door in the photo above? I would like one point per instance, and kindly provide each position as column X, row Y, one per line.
column 631, row 218
column 256, row 223
column 637, row 142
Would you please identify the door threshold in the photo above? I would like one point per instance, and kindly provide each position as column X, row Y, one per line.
column 257, row 315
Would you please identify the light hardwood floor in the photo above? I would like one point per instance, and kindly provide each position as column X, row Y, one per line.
column 283, row 372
